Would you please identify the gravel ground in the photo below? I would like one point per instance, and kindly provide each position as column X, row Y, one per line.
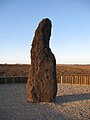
column 72, row 103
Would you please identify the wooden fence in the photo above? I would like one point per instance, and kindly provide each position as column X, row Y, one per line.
column 8, row 80
column 60, row 79
column 74, row 79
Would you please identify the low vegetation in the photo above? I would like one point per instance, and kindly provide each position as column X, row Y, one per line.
column 23, row 69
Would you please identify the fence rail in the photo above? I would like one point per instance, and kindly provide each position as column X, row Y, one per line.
column 8, row 80
column 74, row 79
column 60, row 79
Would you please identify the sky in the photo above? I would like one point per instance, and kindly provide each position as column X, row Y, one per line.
column 70, row 36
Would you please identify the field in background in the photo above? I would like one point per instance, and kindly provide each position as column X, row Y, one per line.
column 14, row 70
column 72, row 74
column 62, row 70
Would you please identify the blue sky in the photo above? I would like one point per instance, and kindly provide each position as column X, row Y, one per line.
column 70, row 40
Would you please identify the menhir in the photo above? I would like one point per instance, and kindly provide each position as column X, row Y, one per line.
column 42, row 83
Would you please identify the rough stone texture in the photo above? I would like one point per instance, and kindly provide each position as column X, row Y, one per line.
column 42, row 83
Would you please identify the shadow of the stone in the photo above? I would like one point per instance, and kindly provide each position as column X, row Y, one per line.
column 72, row 98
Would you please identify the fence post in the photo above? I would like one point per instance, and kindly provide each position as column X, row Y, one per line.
column 85, row 80
column 5, row 79
column 61, row 79
column 89, row 81
column 13, row 80
column 72, row 80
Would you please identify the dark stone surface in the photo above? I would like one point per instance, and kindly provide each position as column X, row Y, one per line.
column 42, row 83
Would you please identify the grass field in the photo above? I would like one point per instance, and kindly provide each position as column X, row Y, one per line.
column 23, row 69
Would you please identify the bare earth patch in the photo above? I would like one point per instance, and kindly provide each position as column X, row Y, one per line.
column 72, row 103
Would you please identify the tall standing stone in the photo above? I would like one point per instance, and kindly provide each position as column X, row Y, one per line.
column 42, row 83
